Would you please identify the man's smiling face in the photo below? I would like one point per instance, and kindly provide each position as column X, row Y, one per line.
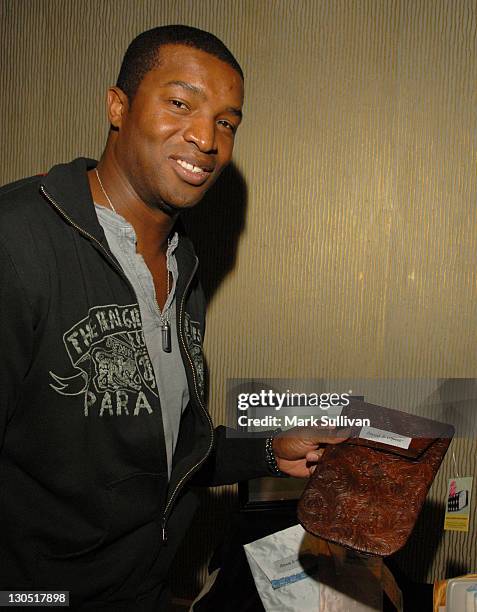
column 177, row 135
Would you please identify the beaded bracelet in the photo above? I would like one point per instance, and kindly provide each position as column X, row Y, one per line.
column 271, row 459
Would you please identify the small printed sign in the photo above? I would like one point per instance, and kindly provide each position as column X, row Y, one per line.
column 384, row 437
column 458, row 504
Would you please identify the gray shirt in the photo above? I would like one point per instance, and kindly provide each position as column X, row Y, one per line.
column 168, row 367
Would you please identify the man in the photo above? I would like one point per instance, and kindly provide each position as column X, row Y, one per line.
column 103, row 424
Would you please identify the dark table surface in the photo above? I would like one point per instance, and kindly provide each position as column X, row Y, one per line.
column 234, row 588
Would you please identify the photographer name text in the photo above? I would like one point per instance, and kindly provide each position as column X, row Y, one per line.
column 301, row 421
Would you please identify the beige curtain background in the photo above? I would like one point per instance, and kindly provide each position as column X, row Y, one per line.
column 342, row 243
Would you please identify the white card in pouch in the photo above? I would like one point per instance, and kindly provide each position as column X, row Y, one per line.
column 384, row 437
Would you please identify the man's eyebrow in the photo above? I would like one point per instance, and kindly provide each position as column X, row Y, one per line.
column 185, row 85
column 235, row 111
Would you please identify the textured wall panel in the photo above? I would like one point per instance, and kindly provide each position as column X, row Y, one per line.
column 343, row 241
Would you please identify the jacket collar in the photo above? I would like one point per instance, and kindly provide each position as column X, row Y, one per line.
column 68, row 186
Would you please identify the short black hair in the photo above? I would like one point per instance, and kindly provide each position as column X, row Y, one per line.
column 142, row 55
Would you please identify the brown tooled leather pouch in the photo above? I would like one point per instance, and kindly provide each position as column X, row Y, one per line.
column 366, row 493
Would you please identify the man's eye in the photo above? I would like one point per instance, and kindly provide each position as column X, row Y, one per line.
column 178, row 104
column 228, row 125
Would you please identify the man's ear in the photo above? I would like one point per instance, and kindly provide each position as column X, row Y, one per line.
column 117, row 103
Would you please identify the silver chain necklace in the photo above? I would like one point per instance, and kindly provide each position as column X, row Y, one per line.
column 165, row 325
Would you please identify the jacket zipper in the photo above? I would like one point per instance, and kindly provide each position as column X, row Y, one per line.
column 181, row 335
column 199, row 401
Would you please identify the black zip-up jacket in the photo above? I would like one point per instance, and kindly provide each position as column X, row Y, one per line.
column 85, row 503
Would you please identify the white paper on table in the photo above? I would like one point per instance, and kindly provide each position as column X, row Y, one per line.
column 282, row 567
column 287, row 567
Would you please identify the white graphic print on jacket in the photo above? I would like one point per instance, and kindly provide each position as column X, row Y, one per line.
column 108, row 351
column 194, row 344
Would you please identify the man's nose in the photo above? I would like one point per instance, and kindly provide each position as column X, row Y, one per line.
column 201, row 132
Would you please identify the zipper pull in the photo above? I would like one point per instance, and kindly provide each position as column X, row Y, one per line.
column 164, row 533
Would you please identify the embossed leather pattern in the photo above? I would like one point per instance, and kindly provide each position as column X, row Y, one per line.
column 368, row 499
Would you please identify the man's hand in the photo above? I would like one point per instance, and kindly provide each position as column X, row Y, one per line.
column 298, row 450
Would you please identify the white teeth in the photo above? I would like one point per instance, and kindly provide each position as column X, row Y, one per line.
column 188, row 166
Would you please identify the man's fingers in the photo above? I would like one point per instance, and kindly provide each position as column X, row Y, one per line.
column 318, row 435
column 314, row 456
column 308, row 433
column 297, row 442
column 343, row 435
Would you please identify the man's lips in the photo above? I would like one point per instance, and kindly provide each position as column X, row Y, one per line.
column 190, row 170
